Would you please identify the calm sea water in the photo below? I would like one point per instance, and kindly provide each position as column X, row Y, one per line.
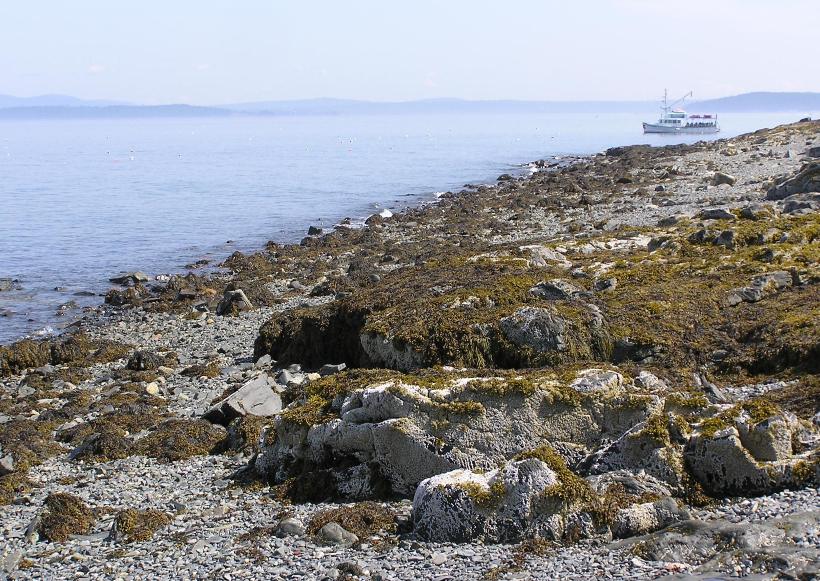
column 83, row 200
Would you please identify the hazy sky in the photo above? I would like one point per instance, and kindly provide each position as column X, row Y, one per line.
column 221, row 51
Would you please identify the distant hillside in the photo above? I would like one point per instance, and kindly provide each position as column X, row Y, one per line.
column 64, row 107
column 762, row 102
column 112, row 112
column 8, row 101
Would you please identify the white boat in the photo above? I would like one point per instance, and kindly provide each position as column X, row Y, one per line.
column 676, row 120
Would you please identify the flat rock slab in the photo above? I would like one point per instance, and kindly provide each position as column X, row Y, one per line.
column 258, row 397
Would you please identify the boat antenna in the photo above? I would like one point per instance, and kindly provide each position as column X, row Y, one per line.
column 681, row 100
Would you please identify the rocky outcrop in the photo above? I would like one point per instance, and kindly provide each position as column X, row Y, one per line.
column 399, row 434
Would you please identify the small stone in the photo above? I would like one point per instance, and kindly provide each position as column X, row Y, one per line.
column 329, row 369
column 606, row 284
column 439, row 558
column 152, row 388
column 720, row 178
column 264, row 361
column 6, row 465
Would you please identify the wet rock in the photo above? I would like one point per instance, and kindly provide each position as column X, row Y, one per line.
column 131, row 296
column 716, row 214
column 314, row 231
column 257, row 397
column 7, row 284
column 130, row 278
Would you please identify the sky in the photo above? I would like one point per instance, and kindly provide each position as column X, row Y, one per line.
column 210, row 52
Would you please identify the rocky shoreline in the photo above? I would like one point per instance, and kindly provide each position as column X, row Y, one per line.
column 605, row 369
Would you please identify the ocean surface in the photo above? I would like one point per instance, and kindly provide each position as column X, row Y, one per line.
column 82, row 200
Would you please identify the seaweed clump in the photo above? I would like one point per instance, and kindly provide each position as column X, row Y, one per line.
column 76, row 350
column 180, row 439
column 570, row 486
column 65, row 515
column 132, row 525
column 363, row 519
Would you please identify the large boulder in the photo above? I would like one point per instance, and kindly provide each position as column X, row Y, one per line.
column 649, row 447
column 523, row 499
column 748, row 456
column 804, row 181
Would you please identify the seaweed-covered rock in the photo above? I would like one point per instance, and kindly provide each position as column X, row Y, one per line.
column 645, row 448
column 142, row 360
column 76, row 350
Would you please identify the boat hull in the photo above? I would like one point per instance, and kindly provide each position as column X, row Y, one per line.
column 655, row 128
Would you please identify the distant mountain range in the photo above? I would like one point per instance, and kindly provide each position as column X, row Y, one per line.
column 65, row 107
column 110, row 111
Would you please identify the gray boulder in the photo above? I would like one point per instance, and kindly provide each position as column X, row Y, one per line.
column 539, row 329
column 804, row 181
column 330, row 369
column 130, row 278
column 290, row 527
column 258, row 397
column 6, row 464
column 333, row 534
column 720, row 178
